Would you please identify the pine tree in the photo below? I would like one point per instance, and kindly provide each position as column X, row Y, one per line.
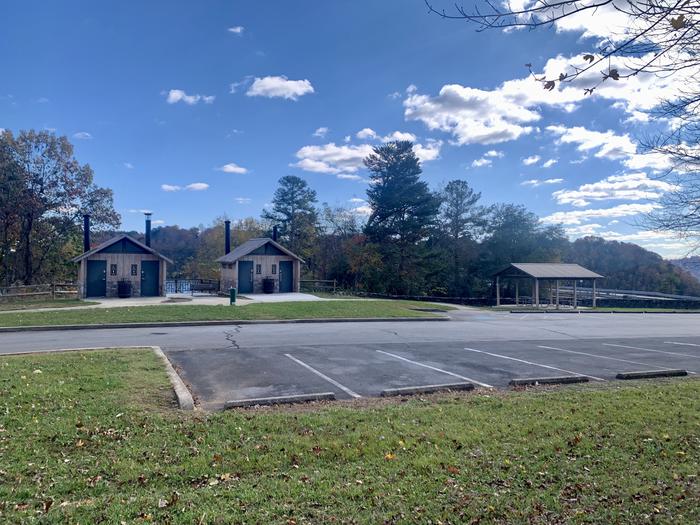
column 403, row 211
column 294, row 213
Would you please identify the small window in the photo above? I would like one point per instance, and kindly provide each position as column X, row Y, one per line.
column 258, row 268
column 134, row 269
column 274, row 269
column 112, row 269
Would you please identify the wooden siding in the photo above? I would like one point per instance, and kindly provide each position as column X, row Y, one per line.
column 229, row 276
column 123, row 262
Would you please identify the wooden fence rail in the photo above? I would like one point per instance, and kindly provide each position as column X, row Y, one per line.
column 37, row 291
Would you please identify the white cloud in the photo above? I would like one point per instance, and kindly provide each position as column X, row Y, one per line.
column 362, row 210
column 233, row 87
column 197, row 186
column 428, row 151
column 529, row 161
column 370, row 134
column 549, row 163
column 480, row 163
column 331, row 158
column 366, row 133
column 232, row 167
column 132, row 210
column 82, row 135
column 345, row 160
column 237, row 30
column 129, row 165
column 606, row 145
column 321, row 132
column 158, row 222
column 280, row 87
column 494, row 154
column 471, row 115
column 243, row 200
column 42, row 100
column 357, row 200
column 631, row 187
column 583, row 230
column 177, row 95
column 411, row 89
column 537, row 182
column 581, row 216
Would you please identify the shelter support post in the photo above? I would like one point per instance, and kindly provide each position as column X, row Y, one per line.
column 537, row 293
column 594, row 301
column 516, row 293
column 557, row 294
column 498, row 291
column 575, row 296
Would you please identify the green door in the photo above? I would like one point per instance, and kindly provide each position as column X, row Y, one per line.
column 96, row 284
column 245, row 276
column 286, row 276
column 149, row 278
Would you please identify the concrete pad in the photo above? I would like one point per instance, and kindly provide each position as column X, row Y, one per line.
column 282, row 297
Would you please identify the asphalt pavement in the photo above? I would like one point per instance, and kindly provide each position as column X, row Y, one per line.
column 224, row 363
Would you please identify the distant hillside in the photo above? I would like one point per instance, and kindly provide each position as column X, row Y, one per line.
column 627, row 266
column 689, row 264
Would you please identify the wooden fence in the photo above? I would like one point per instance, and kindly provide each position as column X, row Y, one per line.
column 39, row 292
column 316, row 285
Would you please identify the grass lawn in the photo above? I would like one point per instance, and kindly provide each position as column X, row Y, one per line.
column 290, row 310
column 92, row 437
column 56, row 303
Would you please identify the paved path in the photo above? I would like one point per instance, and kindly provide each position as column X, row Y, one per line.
column 488, row 348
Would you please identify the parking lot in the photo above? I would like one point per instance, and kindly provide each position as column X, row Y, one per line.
column 220, row 375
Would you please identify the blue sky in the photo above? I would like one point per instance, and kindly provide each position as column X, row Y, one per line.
column 159, row 97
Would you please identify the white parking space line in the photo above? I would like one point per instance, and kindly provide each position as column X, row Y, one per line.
column 601, row 356
column 680, row 344
column 323, row 376
column 650, row 350
column 534, row 364
column 435, row 368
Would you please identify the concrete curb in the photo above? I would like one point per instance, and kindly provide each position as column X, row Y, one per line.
column 278, row 400
column 225, row 322
column 184, row 397
column 650, row 374
column 425, row 389
column 561, row 380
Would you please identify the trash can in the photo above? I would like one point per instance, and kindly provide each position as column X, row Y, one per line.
column 232, row 295
column 268, row 285
column 124, row 289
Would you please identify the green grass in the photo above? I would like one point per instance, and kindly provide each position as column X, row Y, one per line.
column 92, row 437
column 55, row 303
column 271, row 311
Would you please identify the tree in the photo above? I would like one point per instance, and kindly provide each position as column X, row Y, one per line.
column 50, row 191
column 403, row 210
column 294, row 213
column 461, row 223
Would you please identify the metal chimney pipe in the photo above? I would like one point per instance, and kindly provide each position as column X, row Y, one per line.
column 86, row 233
column 274, row 233
column 148, row 229
column 227, row 237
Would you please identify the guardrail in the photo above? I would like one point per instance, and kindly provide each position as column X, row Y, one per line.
column 39, row 291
